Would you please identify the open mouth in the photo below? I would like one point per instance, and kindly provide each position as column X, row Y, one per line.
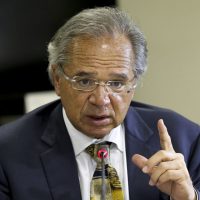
column 99, row 117
column 99, row 120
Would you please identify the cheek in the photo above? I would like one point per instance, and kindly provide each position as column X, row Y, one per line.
column 73, row 103
column 121, row 104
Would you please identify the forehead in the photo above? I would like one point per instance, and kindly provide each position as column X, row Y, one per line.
column 103, row 52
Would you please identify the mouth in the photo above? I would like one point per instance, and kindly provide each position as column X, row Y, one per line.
column 95, row 120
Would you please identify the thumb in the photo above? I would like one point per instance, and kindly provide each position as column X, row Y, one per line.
column 139, row 160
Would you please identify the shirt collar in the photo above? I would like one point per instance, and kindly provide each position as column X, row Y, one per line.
column 81, row 141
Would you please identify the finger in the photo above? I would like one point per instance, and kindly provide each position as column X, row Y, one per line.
column 139, row 161
column 163, row 167
column 178, row 176
column 165, row 140
column 157, row 158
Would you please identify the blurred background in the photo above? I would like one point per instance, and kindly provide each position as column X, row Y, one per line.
column 172, row 29
column 26, row 27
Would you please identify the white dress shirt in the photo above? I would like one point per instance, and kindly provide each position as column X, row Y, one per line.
column 86, row 165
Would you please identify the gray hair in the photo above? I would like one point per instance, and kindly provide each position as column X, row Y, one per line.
column 97, row 22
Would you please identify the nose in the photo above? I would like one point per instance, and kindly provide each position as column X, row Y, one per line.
column 100, row 96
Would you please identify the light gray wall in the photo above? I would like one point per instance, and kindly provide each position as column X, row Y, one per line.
column 172, row 29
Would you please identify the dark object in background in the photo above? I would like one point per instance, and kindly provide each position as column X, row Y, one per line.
column 26, row 28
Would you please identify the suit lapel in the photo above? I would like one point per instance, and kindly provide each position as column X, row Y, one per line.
column 59, row 163
column 139, row 139
column 58, row 160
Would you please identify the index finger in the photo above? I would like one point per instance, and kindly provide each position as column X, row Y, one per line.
column 165, row 140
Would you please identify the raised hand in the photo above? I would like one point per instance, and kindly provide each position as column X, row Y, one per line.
column 167, row 169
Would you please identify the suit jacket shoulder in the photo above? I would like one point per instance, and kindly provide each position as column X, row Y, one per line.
column 142, row 137
column 37, row 159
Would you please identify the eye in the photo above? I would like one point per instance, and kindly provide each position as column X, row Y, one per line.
column 85, row 82
column 116, row 84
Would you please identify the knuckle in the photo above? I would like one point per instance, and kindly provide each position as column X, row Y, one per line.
column 162, row 153
column 179, row 165
column 166, row 155
column 180, row 156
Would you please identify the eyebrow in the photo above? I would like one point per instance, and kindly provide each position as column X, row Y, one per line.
column 119, row 75
column 112, row 75
column 82, row 73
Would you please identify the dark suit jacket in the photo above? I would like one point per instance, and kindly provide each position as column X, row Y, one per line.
column 37, row 161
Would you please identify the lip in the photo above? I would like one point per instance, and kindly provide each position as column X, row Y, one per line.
column 98, row 120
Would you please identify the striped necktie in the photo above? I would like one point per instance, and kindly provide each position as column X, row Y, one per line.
column 105, row 184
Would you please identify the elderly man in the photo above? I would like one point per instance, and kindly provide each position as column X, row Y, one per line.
column 95, row 143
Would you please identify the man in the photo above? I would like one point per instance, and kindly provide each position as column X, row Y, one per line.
column 95, row 62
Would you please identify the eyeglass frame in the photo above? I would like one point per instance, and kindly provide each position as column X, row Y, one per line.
column 97, row 82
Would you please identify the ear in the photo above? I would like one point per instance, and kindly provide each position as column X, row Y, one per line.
column 56, row 79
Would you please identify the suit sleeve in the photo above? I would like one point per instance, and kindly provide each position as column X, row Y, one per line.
column 4, row 189
column 197, row 194
column 194, row 166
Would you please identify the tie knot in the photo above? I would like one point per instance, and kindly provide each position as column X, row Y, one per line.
column 105, row 183
column 99, row 151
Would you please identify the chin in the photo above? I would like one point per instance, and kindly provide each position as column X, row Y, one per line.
column 98, row 134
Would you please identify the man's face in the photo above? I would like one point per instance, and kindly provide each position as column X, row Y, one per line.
column 97, row 112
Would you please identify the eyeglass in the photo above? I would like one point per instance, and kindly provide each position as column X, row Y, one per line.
column 86, row 84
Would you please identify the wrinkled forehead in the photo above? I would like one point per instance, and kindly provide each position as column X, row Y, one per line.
column 106, row 49
column 118, row 41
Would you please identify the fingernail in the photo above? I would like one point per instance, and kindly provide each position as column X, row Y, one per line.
column 151, row 183
column 145, row 169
